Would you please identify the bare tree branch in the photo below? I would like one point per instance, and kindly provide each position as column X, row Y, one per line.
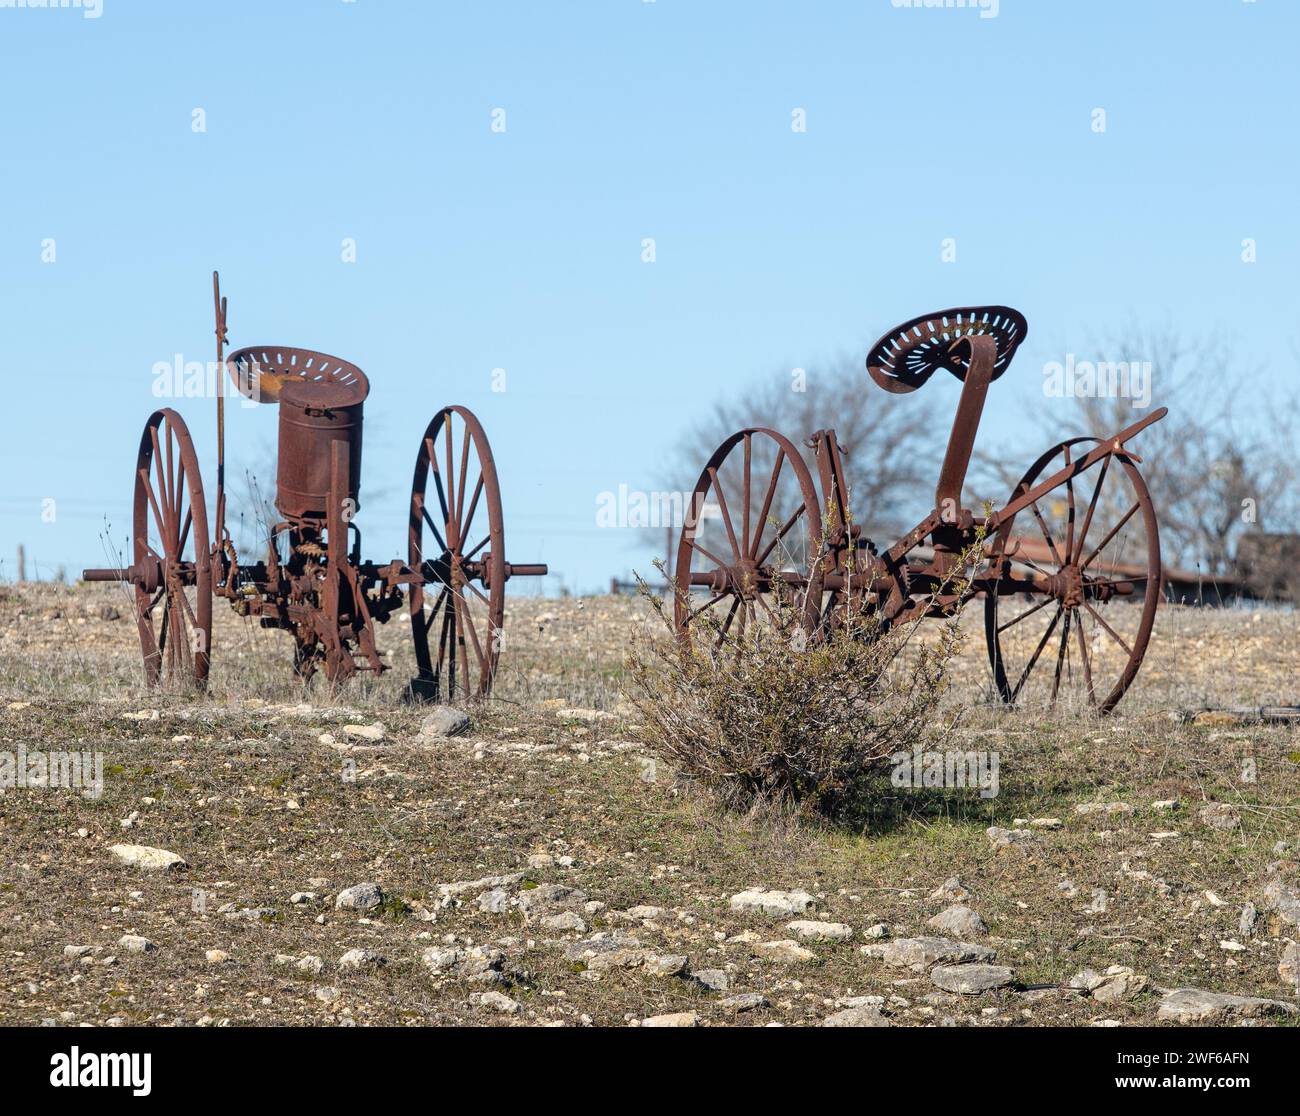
column 1210, row 463
column 892, row 442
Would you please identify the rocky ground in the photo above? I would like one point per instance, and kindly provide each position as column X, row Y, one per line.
column 270, row 855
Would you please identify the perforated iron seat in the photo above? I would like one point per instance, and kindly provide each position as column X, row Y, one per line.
column 908, row 355
column 261, row 371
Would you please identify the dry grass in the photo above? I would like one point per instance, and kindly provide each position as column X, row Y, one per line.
column 217, row 779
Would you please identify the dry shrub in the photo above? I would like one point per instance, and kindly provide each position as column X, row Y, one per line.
column 773, row 718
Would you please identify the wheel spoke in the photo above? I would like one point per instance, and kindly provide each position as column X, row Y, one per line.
column 706, row 606
column 726, row 624
column 433, row 527
column 767, row 501
column 1108, row 629
column 1028, row 612
column 744, row 515
column 451, row 491
column 431, row 451
column 460, row 485
column 1083, row 656
column 467, row 622
column 1032, row 564
column 433, row 613
column 1092, row 507
column 181, row 641
column 470, row 554
column 1069, row 529
column 157, row 511
column 1110, row 535
column 1060, row 655
column 162, row 628
column 1037, row 651
column 780, row 535
column 697, row 545
column 455, row 646
column 469, row 518
column 1051, row 543
column 448, row 626
column 726, row 514
column 180, row 503
column 164, row 496
column 188, row 608
column 173, row 495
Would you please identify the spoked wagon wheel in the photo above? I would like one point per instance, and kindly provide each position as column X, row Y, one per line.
column 456, row 541
column 751, row 541
column 173, row 570
column 1085, row 559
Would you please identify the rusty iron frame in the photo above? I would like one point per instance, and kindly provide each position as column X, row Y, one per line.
column 971, row 556
column 325, row 595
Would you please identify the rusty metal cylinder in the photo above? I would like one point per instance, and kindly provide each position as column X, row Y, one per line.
column 313, row 415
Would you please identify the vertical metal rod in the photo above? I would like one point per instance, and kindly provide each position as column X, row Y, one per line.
column 219, row 307
column 340, row 464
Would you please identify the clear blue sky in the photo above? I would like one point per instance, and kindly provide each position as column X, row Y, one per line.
column 522, row 250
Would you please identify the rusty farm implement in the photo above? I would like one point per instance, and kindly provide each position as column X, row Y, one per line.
column 312, row 580
column 1068, row 568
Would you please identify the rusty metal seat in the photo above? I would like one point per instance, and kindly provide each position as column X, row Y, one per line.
column 908, row 355
column 261, row 371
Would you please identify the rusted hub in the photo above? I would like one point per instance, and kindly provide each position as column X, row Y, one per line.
column 1067, row 586
column 1072, row 589
column 148, row 575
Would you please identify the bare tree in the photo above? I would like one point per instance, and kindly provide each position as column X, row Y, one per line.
column 891, row 442
column 1216, row 471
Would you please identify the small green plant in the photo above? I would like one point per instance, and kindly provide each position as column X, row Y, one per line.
column 393, row 907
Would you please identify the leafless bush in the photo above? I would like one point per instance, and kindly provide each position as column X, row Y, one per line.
column 770, row 718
